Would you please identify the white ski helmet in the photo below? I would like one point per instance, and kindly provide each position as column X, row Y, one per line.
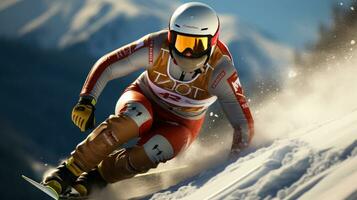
column 193, row 33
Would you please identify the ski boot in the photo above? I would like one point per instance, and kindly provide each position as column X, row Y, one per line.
column 85, row 183
column 62, row 178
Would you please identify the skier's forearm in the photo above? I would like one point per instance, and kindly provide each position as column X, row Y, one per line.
column 241, row 119
column 226, row 86
column 244, row 131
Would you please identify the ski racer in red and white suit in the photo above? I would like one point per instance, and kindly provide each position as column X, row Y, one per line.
column 164, row 107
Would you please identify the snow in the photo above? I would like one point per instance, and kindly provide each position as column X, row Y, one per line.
column 60, row 24
column 290, row 168
column 85, row 23
column 292, row 74
column 336, row 185
column 40, row 21
column 305, row 147
column 312, row 153
column 306, row 141
column 7, row 3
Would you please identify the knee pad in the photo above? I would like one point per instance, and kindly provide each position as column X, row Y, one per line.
column 159, row 149
column 139, row 113
column 166, row 141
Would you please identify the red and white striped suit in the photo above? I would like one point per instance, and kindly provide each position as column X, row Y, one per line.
column 171, row 110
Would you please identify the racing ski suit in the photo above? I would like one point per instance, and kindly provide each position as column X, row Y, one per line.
column 164, row 107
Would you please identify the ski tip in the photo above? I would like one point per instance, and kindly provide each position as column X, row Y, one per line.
column 25, row 177
column 46, row 189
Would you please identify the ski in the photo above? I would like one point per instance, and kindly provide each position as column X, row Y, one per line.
column 46, row 189
column 51, row 192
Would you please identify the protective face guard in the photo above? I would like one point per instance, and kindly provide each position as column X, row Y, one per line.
column 190, row 46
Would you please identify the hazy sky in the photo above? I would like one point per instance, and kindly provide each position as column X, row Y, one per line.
column 294, row 22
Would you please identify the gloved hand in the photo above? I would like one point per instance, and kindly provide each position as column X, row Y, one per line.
column 83, row 113
column 240, row 142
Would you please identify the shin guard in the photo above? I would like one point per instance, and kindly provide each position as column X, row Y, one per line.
column 107, row 137
column 125, row 163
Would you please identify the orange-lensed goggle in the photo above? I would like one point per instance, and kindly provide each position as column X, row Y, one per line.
column 191, row 46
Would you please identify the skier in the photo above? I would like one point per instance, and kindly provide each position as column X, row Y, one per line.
column 187, row 69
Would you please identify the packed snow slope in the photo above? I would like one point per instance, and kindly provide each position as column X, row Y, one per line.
column 318, row 164
column 309, row 139
column 305, row 147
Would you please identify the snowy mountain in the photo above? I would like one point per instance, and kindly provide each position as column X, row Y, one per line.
column 101, row 26
column 104, row 24
column 262, row 62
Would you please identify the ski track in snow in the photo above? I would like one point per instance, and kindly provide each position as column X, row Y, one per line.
column 288, row 169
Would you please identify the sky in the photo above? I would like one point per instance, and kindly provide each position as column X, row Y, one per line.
column 293, row 22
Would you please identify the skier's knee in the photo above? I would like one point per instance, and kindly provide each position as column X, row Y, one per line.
column 140, row 113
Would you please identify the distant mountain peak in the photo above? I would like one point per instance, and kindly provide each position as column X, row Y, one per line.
column 103, row 25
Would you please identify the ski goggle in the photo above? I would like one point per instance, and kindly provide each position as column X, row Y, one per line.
column 191, row 46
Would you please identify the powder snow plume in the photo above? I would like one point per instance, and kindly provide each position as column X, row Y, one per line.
column 326, row 95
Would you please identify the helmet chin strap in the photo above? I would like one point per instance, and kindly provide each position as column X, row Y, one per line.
column 195, row 72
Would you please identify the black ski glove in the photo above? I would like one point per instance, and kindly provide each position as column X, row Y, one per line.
column 240, row 142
